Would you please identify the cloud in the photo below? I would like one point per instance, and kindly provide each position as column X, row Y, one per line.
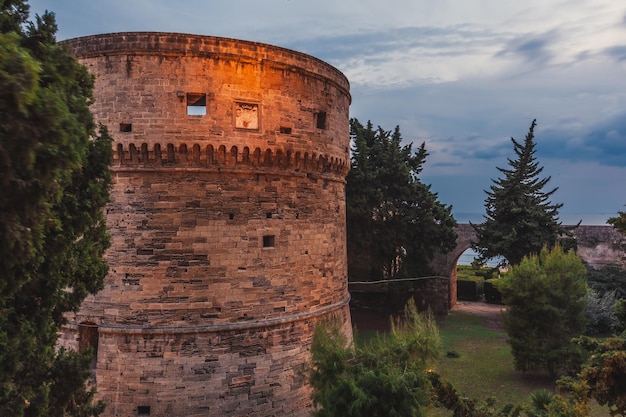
column 449, row 74
column 603, row 142
column 617, row 52
column 531, row 48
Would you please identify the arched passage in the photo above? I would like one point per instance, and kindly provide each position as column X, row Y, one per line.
column 597, row 246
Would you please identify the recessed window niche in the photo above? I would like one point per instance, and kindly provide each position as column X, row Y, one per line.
column 269, row 241
column 196, row 104
column 320, row 120
column 143, row 410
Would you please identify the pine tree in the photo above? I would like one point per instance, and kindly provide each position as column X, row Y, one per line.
column 395, row 222
column 520, row 219
column 546, row 300
column 54, row 183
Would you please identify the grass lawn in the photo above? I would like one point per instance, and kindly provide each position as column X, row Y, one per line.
column 484, row 366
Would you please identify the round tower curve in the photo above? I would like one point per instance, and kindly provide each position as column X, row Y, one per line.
column 227, row 223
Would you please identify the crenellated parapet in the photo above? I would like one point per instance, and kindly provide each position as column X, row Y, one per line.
column 233, row 157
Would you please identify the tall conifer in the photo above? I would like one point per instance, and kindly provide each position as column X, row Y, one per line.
column 520, row 219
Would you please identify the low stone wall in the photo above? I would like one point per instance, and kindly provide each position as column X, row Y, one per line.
column 429, row 293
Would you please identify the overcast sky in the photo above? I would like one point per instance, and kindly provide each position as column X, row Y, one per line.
column 464, row 76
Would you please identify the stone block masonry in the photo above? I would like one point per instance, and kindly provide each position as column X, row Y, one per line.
column 227, row 219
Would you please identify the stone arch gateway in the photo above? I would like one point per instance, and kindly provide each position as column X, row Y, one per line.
column 227, row 221
column 597, row 246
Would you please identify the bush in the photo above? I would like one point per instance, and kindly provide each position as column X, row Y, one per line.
column 470, row 288
column 619, row 312
column 492, row 291
column 608, row 278
column 546, row 298
column 600, row 312
column 387, row 377
column 603, row 373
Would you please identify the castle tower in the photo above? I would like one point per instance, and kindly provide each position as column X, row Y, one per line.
column 227, row 221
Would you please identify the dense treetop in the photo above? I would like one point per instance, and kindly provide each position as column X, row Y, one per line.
column 395, row 222
column 54, row 183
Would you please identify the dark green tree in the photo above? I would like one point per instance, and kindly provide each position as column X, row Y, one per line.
column 386, row 377
column 546, row 299
column 395, row 222
column 619, row 222
column 520, row 219
column 54, row 183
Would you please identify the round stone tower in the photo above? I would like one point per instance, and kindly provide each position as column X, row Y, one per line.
column 227, row 219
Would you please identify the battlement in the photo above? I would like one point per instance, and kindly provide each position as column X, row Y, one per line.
column 212, row 157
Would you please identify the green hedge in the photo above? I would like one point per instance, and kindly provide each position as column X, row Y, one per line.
column 492, row 293
column 469, row 288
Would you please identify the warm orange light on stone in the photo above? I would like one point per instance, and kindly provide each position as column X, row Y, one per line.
column 227, row 221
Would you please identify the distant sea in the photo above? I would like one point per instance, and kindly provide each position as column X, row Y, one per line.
column 588, row 219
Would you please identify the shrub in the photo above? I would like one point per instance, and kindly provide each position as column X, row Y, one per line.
column 619, row 312
column 387, row 377
column 469, row 288
column 608, row 278
column 600, row 312
column 603, row 374
column 492, row 291
column 546, row 303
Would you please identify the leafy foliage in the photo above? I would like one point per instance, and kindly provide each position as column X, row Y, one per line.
column 543, row 403
column 519, row 219
column 54, row 183
column 603, row 375
column 608, row 278
column 385, row 378
column 546, row 298
column 395, row 224
column 619, row 313
column 600, row 312
column 619, row 222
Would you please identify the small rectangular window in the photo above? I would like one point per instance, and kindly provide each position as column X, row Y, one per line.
column 126, row 127
column 196, row 104
column 143, row 410
column 320, row 120
column 269, row 241
column 285, row 130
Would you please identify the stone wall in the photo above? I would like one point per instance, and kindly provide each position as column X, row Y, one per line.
column 597, row 246
column 600, row 246
column 227, row 221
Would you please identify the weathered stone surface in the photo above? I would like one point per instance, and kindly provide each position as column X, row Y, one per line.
column 228, row 228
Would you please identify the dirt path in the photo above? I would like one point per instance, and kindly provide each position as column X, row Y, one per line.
column 491, row 312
